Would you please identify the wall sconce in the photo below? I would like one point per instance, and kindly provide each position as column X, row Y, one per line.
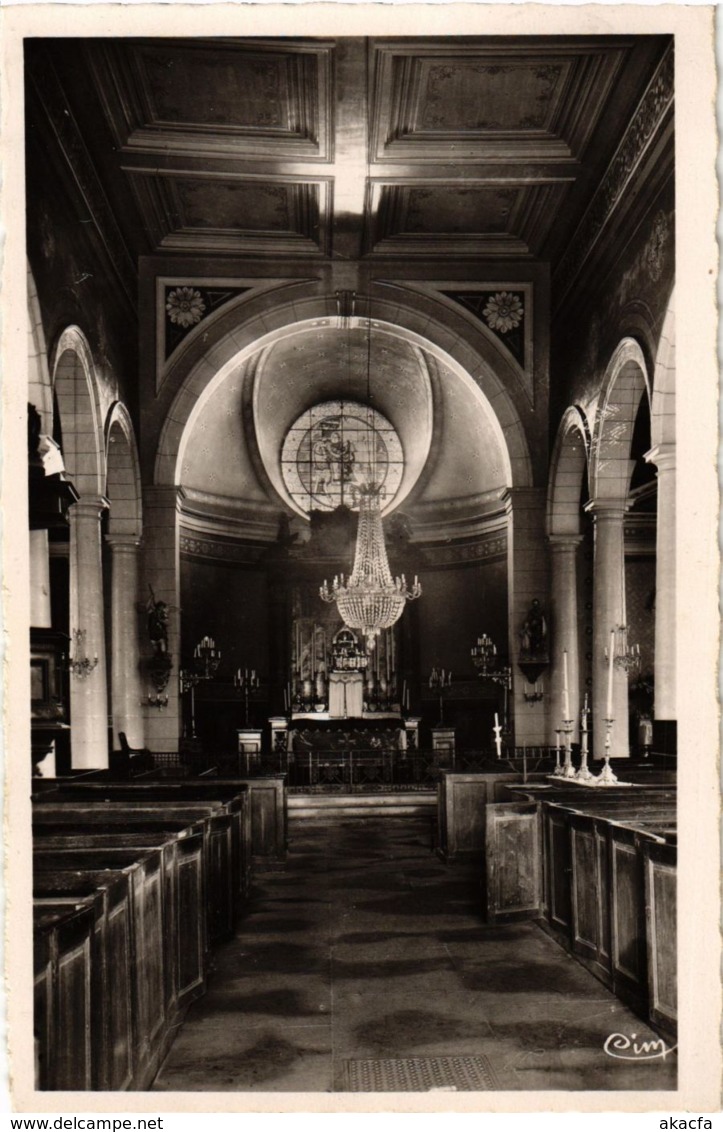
column 159, row 670
column 79, row 663
column 533, row 693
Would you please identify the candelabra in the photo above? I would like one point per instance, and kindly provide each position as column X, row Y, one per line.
column 247, row 682
column 484, row 658
column 206, row 659
column 439, row 679
column 535, row 695
column 624, row 656
column 80, row 664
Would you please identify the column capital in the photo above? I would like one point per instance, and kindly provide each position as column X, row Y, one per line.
column 164, row 495
column 123, row 543
column 564, row 541
column 608, row 510
column 662, row 455
column 523, row 497
column 89, row 507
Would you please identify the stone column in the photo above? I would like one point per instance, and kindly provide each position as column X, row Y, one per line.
column 126, row 685
column 526, row 579
column 564, row 633
column 40, row 616
column 89, row 694
column 666, row 707
column 608, row 581
column 161, row 561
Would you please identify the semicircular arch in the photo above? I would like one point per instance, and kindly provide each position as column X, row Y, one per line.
column 123, row 478
column 76, row 392
column 476, row 363
column 568, row 468
column 625, row 383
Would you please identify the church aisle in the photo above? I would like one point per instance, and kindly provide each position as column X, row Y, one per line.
column 364, row 947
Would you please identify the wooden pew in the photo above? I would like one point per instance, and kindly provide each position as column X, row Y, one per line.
column 462, row 801
column 108, row 1058
column 268, row 808
column 65, row 1000
column 222, row 882
column 576, row 861
column 234, row 797
column 186, row 937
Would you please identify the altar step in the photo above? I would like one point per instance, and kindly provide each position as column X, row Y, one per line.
column 362, row 805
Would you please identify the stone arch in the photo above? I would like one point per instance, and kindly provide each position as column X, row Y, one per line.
column 415, row 317
column 567, row 468
column 40, row 390
column 625, row 382
column 123, row 477
column 663, row 401
column 76, row 392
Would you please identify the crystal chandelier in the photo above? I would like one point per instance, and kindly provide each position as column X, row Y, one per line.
column 370, row 600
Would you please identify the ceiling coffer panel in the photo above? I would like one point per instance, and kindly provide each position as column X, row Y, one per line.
column 468, row 101
column 233, row 213
column 220, row 96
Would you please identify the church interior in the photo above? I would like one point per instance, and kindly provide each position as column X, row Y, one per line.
column 352, row 521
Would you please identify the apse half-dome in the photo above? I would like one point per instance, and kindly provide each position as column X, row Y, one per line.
column 385, row 376
column 334, row 449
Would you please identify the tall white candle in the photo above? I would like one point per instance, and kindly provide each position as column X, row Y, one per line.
column 565, row 696
column 610, row 675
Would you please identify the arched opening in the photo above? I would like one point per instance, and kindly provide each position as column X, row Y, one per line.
column 620, row 592
column 76, row 395
column 121, row 547
column 567, row 539
column 452, row 494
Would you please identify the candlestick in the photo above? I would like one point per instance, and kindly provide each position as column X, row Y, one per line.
column 568, row 770
column 606, row 776
column 611, row 662
column 584, row 773
column 565, row 696
column 498, row 736
column 558, row 769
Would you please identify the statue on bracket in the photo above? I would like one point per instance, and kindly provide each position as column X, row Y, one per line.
column 533, row 634
column 533, row 658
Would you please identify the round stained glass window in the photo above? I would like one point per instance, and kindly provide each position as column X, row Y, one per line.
column 335, row 448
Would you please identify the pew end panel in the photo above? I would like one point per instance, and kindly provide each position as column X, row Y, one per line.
column 660, row 864
column 63, row 995
column 513, row 859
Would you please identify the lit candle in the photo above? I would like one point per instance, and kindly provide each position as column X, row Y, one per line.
column 610, row 674
column 565, row 696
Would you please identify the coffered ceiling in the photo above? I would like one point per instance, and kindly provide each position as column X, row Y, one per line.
column 460, row 147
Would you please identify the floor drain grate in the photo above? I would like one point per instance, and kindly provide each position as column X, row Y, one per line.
column 417, row 1075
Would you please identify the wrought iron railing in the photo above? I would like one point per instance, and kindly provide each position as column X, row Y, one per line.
column 357, row 769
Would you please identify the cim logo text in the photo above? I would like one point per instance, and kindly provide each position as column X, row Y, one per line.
column 629, row 1048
